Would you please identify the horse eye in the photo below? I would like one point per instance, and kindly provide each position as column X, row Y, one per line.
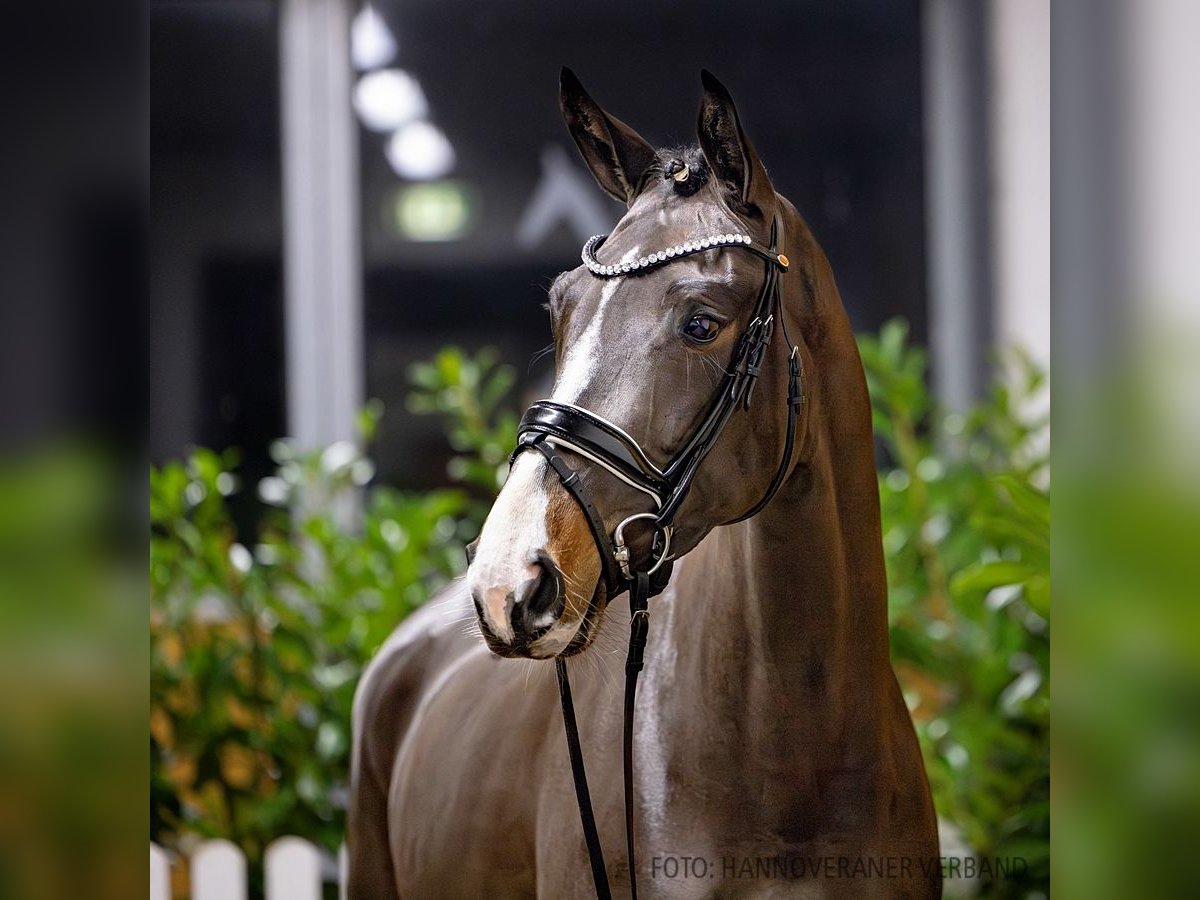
column 701, row 329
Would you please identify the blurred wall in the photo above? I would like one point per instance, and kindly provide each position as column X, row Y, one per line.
column 215, row 228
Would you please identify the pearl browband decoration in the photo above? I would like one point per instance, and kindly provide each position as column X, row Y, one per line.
column 650, row 261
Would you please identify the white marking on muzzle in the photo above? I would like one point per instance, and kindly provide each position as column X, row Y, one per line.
column 514, row 531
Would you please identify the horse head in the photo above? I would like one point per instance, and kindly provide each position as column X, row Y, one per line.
column 646, row 348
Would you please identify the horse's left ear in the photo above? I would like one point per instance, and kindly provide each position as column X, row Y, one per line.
column 729, row 153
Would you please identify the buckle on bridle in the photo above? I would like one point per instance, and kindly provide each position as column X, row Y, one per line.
column 757, row 348
column 621, row 550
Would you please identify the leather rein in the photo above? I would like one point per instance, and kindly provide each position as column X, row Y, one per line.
column 548, row 426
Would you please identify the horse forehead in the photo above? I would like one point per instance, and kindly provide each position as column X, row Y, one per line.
column 658, row 223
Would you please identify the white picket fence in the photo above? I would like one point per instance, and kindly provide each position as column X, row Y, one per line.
column 294, row 869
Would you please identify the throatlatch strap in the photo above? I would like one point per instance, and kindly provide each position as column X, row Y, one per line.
column 590, row 835
column 795, row 404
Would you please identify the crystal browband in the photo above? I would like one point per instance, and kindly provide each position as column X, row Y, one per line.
column 652, row 260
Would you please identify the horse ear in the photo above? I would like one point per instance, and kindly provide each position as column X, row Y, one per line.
column 729, row 153
column 617, row 155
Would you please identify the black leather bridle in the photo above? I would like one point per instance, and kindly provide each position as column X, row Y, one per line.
column 549, row 426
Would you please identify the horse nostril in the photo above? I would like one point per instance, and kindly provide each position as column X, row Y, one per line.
column 540, row 598
column 471, row 549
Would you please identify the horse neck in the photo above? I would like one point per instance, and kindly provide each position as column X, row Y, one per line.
column 788, row 611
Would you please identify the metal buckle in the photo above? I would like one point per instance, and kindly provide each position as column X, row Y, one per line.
column 621, row 551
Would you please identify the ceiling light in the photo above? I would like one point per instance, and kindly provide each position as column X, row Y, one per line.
column 420, row 152
column 371, row 42
column 388, row 98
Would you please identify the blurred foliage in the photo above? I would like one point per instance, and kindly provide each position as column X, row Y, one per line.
column 72, row 669
column 468, row 392
column 257, row 644
column 966, row 533
column 1127, row 682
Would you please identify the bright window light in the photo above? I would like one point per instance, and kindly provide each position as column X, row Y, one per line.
column 371, row 42
column 387, row 99
column 419, row 151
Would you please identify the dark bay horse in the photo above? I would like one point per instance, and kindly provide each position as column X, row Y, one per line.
column 776, row 756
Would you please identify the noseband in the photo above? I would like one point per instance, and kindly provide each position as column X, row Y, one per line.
column 549, row 426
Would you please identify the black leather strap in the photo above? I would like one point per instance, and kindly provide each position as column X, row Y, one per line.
column 639, row 627
column 736, row 391
column 593, row 434
column 582, row 795
column 795, row 403
column 579, row 424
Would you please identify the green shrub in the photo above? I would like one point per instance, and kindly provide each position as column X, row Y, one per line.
column 966, row 533
column 257, row 644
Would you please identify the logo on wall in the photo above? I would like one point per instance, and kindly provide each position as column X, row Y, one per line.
column 566, row 195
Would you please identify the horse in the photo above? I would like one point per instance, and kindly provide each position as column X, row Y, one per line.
column 776, row 755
